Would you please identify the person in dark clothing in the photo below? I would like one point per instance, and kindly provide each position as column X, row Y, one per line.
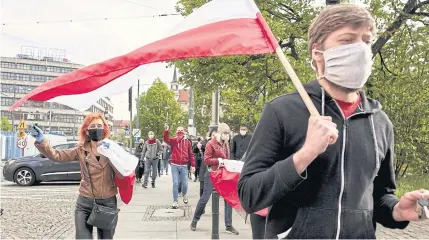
column 165, row 157
column 257, row 222
column 329, row 176
column 240, row 143
column 199, row 155
column 140, row 165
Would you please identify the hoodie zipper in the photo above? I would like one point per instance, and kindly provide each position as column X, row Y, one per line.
column 343, row 153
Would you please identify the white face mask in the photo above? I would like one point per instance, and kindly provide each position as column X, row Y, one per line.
column 348, row 65
column 243, row 133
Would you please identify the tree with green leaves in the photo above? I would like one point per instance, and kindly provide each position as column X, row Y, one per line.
column 5, row 124
column 399, row 80
column 157, row 107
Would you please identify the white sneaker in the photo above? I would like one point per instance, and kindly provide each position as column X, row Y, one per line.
column 175, row 205
column 185, row 199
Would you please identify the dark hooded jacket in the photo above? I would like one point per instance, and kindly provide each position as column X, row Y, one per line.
column 343, row 192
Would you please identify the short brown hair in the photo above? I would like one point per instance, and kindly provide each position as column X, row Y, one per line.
column 335, row 17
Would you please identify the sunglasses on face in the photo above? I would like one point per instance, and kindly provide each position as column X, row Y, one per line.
column 94, row 126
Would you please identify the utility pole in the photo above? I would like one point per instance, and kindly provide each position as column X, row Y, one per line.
column 50, row 116
column 191, row 128
column 138, row 105
column 130, row 108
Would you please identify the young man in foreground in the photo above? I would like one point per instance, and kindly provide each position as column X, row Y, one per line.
column 333, row 177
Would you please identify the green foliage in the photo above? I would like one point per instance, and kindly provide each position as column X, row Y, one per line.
column 157, row 107
column 412, row 183
column 119, row 136
column 5, row 124
column 400, row 79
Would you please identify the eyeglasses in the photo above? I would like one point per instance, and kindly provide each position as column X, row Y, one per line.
column 94, row 126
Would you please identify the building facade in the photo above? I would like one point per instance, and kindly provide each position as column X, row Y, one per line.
column 23, row 73
column 180, row 95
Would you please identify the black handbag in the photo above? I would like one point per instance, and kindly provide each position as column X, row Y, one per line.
column 101, row 217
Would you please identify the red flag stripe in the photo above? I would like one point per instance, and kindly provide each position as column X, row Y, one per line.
column 241, row 36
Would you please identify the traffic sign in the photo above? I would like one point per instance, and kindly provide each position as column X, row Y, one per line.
column 21, row 134
column 22, row 143
column 22, row 125
column 137, row 133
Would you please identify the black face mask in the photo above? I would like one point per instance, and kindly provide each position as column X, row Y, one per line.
column 96, row 134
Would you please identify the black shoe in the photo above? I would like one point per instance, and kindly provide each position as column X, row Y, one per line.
column 193, row 225
column 153, row 185
column 144, row 185
column 231, row 230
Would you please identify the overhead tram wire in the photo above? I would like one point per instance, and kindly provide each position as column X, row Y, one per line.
column 89, row 19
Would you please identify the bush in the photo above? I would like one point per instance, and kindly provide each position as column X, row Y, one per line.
column 411, row 183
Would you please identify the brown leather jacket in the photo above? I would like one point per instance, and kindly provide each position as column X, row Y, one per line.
column 102, row 174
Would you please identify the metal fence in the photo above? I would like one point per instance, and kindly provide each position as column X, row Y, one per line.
column 8, row 145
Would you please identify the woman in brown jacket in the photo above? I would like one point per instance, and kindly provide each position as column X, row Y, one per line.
column 93, row 130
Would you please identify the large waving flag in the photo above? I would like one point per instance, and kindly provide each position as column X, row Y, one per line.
column 218, row 28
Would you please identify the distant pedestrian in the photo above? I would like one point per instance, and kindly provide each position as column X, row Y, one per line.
column 240, row 143
column 165, row 157
column 198, row 150
column 140, row 165
column 151, row 150
column 181, row 154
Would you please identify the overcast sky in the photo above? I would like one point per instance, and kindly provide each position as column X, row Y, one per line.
column 88, row 42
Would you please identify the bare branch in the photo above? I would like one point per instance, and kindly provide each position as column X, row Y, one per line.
column 410, row 8
column 425, row 14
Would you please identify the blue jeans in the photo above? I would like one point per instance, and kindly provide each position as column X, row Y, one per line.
column 205, row 197
column 180, row 176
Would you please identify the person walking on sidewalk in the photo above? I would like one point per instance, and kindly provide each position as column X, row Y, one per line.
column 217, row 150
column 97, row 186
column 199, row 156
column 165, row 157
column 181, row 154
column 140, row 165
column 240, row 143
column 329, row 176
column 151, row 150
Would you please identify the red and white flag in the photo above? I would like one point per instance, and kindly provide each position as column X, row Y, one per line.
column 225, row 181
column 218, row 28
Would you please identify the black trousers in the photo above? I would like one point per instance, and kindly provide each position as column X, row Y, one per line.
column 197, row 168
column 258, row 226
column 139, row 170
column 84, row 207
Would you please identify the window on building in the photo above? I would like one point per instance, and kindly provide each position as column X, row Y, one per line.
column 7, row 114
column 8, row 65
column 8, row 76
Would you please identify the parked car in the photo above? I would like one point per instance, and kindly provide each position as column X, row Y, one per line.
column 30, row 170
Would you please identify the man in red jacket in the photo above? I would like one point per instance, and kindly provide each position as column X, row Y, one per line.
column 181, row 154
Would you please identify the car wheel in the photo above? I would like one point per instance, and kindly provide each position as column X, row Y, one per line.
column 24, row 177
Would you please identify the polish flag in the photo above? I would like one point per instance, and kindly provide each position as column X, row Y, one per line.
column 218, row 28
column 225, row 181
